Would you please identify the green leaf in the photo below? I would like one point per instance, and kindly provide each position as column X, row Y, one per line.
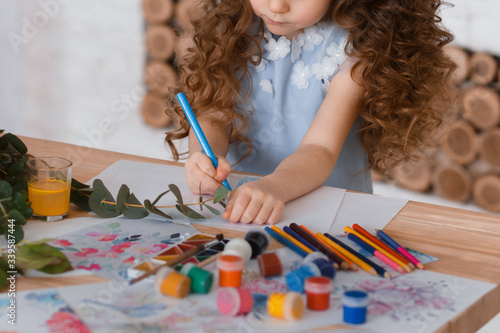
column 15, row 142
column 42, row 257
column 189, row 212
column 121, row 198
column 97, row 197
column 175, row 190
column 99, row 207
column 134, row 212
column 79, row 196
column 5, row 158
column 17, row 216
column 212, row 209
column 16, row 170
column 18, row 200
column 5, row 189
column 220, row 194
column 159, row 197
column 155, row 210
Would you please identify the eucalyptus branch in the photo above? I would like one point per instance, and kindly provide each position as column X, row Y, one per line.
column 101, row 202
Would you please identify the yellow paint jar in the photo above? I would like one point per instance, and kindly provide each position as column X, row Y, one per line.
column 289, row 306
column 169, row 282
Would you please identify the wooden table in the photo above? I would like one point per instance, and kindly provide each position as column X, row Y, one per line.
column 467, row 243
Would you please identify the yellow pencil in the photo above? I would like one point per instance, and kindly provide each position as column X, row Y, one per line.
column 291, row 239
column 361, row 264
column 376, row 246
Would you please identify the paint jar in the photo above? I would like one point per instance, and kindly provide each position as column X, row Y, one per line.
column 234, row 301
column 169, row 282
column 355, row 304
column 322, row 262
column 230, row 270
column 289, row 306
column 201, row 280
column 258, row 240
column 295, row 279
column 318, row 291
column 273, row 263
column 239, row 247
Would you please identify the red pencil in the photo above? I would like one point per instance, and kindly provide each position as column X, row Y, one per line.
column 377, row 241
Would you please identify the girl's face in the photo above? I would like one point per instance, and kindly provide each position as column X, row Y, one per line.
column 289, row 17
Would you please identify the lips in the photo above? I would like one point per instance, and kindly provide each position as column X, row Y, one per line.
column 273, row 22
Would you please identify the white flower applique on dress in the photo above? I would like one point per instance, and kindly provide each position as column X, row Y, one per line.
column 278, row 49
column 300, row 76
column 311, row 37
column 266, row 86
column 261, row 66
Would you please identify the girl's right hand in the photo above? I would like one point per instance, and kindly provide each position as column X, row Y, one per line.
column 200, row 170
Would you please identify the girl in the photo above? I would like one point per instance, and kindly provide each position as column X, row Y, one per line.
column 309, row 92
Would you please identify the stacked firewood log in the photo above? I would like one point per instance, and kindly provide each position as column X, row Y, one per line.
column 167, row 37
column 466, row 164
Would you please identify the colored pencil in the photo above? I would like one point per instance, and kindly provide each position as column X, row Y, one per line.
column 286, row 242
column 299, row 238
column 313, row 240
column 377, row 241
column 291, row 239
column 373, row 251
column 360, row 260
column 387, row 254
column 352, row 266
column 188, row 111
column 399, row 248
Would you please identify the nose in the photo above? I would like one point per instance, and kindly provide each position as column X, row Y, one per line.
column 278, row 6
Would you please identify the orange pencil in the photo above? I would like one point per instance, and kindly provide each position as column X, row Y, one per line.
column 291, row 239
column 346, row 259
column 365, row 233
column 404, row 266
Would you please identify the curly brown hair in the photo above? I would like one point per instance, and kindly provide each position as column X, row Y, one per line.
column 398, row 47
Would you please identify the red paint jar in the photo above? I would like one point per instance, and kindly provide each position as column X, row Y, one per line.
column 230, row 270
column 272, row 264
column 318, row 291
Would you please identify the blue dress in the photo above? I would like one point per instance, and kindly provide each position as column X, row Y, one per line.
column 288, row 87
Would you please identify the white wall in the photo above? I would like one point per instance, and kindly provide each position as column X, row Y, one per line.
column 72, row 70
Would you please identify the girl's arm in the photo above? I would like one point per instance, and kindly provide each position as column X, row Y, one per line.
column 199, row 168
column 309, row 166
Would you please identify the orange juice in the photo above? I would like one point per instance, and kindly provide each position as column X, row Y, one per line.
column 49, row 197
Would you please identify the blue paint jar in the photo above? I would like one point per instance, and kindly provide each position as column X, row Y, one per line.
column 296, row 279
column 355, row 304
column 321, row 261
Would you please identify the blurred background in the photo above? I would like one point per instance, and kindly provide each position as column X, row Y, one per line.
column 94, row 73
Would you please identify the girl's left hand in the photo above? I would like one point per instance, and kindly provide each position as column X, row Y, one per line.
column 255, row 202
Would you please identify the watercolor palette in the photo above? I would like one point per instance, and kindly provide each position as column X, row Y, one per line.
column 182, row 247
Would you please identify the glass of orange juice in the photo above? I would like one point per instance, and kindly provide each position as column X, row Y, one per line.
column 49, row 185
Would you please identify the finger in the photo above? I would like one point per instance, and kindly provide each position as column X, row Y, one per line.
column 263, row 214
column 201, row 183
column 240, row 204
column 251, row 212
column 223, row 169
column 276, row 214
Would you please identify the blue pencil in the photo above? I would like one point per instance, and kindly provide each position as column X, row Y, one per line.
column 199, row 132
column 286, row 242
column 299, row 238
